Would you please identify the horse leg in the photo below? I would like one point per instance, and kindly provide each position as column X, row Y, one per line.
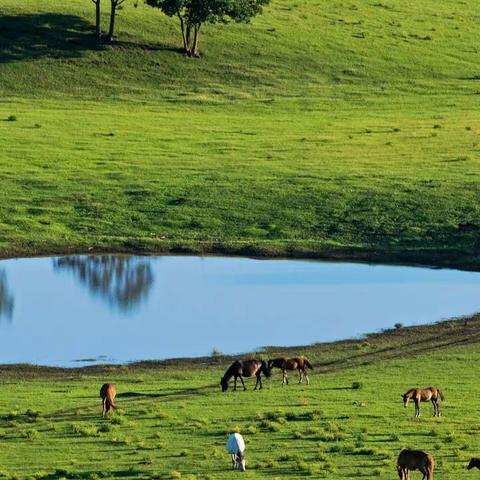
column 300, row 375
column 243, row 383
column 259, row 382
column 235, row 383
column 425, row 472
column 305, row 374
column 417, row 408
column 104, row 409
column 284, row 379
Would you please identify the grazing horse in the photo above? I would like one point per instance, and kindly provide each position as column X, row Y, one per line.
column 474, row 462
column 245, row 368
column 298, row 363
column 424, row 395
column 108, row 393
column 236, row 448
column 415, row 460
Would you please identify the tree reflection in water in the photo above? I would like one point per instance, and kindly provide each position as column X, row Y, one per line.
column 122, row 281
column 6, row 298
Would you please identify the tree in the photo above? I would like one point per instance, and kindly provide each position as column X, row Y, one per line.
column 192, row 14
column 98, row 29
column 123, row 282
column 6, row 297
column 114, row 4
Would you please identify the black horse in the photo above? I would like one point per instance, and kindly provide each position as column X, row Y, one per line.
column 245, row 368
column 474, row 462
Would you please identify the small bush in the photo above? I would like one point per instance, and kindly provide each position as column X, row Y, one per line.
column 174, row 474
column 357, row 385
column 30, row 434
column 12, row 118
column 85, row 430
column 437, row 125
column 398, row 325
column 216, row 352
column 116, row 420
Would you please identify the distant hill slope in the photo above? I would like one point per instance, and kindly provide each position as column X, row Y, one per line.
column 324, row 129
column 297, row 48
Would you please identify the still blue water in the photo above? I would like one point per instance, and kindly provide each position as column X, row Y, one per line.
column 71, row 311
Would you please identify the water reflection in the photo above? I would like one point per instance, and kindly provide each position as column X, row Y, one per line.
column 6, row 298
column 123, row 282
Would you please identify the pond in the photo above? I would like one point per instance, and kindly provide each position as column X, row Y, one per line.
column 78, row 310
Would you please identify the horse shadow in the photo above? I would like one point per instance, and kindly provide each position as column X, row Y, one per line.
column 52, row 35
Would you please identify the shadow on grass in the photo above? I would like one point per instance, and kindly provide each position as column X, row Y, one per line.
column 203, row 390
column 54, row 35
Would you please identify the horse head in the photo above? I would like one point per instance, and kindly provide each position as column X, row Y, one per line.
column 224, row 384
column 406, row 398
column 266, row 369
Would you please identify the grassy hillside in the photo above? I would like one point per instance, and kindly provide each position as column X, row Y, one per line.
column 323, row 129
column 174, row 420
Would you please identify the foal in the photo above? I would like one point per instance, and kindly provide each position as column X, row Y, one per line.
column 298, row 363
column 245, row 368
column 424, row 395
column 108, row 393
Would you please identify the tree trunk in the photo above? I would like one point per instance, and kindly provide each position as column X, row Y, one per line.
column 98, row 30
column 112, row 20
column 184, row 35
column 196, row 36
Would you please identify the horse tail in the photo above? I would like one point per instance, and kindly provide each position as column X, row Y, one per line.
column 442, row 396
column 308, row 364
column 430, row 466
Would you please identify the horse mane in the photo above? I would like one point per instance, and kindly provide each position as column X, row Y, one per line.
column 229, row 373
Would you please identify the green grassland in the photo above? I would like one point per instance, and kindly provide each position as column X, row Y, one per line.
column 323, row 129
column 173, row 420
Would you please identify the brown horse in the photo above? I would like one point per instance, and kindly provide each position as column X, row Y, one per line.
column 245, row 368
column 298, row 363
column 415, row 460
column 108, row 393
column 424, row 395
column 474, row 462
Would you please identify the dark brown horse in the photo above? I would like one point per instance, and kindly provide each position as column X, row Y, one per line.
column 424, row 395
column 108, row 393
column 415, row 460
column 245, row 368
column 298, row 363
column 474, row 462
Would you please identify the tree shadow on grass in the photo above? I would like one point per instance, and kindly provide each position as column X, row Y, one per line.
column 51, row 35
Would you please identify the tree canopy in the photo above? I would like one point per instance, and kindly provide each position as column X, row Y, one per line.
column 192, row 14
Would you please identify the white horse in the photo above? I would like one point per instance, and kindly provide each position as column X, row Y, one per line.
column 236, row 448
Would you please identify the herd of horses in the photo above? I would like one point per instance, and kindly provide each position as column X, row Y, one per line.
column 408, row 460
column 255, row 368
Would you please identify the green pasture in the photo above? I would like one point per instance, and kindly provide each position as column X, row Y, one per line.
column 173, row 420
column 328, row 129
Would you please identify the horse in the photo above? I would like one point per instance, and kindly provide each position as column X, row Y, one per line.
column 415, row 460
column 298, row 363
column 424, row 395
column 245, row 368
column 474, row 462
column 236, row 448
column 108, row 393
